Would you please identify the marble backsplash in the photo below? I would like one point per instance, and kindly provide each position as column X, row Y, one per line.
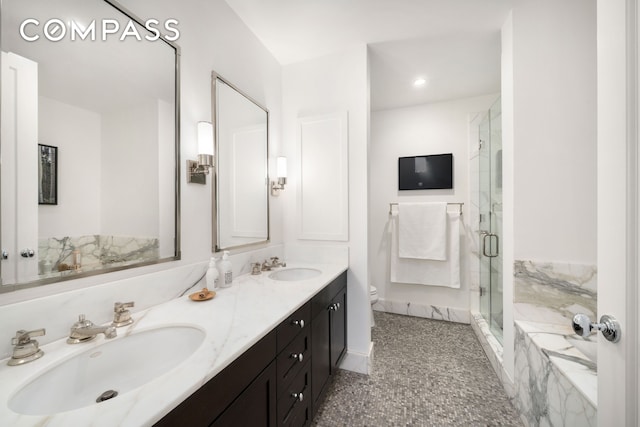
column 555, row 370
column 95, row 251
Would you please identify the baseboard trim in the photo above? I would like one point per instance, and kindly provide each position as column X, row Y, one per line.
column 448, row 314
column 358, row 362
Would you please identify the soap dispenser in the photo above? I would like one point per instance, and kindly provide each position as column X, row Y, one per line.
column 226, row 268
column 212, row 274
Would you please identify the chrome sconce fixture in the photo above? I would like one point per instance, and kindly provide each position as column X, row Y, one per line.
column 281, row 173
column 197, row 171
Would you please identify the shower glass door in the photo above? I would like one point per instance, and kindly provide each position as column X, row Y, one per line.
column 490, row 245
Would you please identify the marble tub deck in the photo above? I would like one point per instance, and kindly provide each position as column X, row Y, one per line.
column 557, row 342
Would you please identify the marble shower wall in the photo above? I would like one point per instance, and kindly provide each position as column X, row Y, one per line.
column 553, row 292
column 95, row 250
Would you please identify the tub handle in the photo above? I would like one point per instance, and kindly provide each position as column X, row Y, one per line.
column 608, row 325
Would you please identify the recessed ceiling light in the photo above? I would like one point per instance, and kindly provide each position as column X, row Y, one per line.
column 420, row 81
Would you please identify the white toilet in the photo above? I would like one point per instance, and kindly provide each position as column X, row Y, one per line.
column 373, row 297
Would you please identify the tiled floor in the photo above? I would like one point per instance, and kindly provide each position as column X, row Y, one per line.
column 426, row 373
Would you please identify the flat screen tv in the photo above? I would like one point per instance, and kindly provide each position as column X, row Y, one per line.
column 425, row 172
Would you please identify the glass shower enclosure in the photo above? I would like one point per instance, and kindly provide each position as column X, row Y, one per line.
column 490, row 221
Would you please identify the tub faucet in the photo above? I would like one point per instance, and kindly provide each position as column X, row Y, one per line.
column 84, row 330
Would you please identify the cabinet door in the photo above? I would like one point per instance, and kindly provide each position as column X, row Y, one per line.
column 256, row 406
column 320, row 355
column 208, row 403
column 338, row 328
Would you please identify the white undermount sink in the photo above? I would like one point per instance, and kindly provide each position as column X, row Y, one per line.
column 294, row 274
column 120, row 365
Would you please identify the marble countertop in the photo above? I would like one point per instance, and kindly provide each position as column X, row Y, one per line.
column 234, row 320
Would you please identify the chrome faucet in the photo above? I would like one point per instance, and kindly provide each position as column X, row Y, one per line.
column 26, row 349
column 84, row 330
column 122, row 316
column 275, row 262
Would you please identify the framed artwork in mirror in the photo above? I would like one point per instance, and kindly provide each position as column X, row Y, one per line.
column 47, row 175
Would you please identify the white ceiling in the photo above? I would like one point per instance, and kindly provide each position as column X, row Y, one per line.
column 455, row 44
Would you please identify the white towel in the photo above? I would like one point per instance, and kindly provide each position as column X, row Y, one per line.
column 428, row 272
column 422, row 231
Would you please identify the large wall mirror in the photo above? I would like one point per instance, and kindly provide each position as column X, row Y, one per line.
column 241, row 190
column 89, row 142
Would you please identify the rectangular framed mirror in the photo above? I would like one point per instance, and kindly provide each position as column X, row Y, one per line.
column 107, row 105
column 241, row 189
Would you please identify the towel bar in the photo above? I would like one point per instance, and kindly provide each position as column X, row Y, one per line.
column 391, row 205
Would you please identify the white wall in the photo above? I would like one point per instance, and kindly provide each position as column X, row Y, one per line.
column 76, row 133
column 332, row 84
column 129, row 165
column 426, row 129
column 554, row 66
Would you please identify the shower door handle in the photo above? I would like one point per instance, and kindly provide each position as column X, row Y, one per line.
column 484, row 244
column 484, row 235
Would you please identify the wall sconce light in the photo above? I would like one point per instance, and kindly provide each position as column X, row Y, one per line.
column 197, row 171
column 281, row 172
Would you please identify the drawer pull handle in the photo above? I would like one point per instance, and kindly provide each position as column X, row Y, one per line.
column 298, row 356
column 299, row 323
column 298, row 396
column 335, row 307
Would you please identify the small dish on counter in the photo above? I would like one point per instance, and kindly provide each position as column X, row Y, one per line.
column 202, row 295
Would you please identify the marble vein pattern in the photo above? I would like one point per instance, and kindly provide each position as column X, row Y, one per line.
column 545, row 396
column 449, row 314
column 556, row 370
column 118, row 249
column 96, row 251
column 563, row 289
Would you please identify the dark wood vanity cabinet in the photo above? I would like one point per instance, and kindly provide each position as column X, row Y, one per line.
column 281, row 380
column 244, row 393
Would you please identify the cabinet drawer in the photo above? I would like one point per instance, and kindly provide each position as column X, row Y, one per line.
column 294, row 404
column 291, row 360
column 292, row 326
